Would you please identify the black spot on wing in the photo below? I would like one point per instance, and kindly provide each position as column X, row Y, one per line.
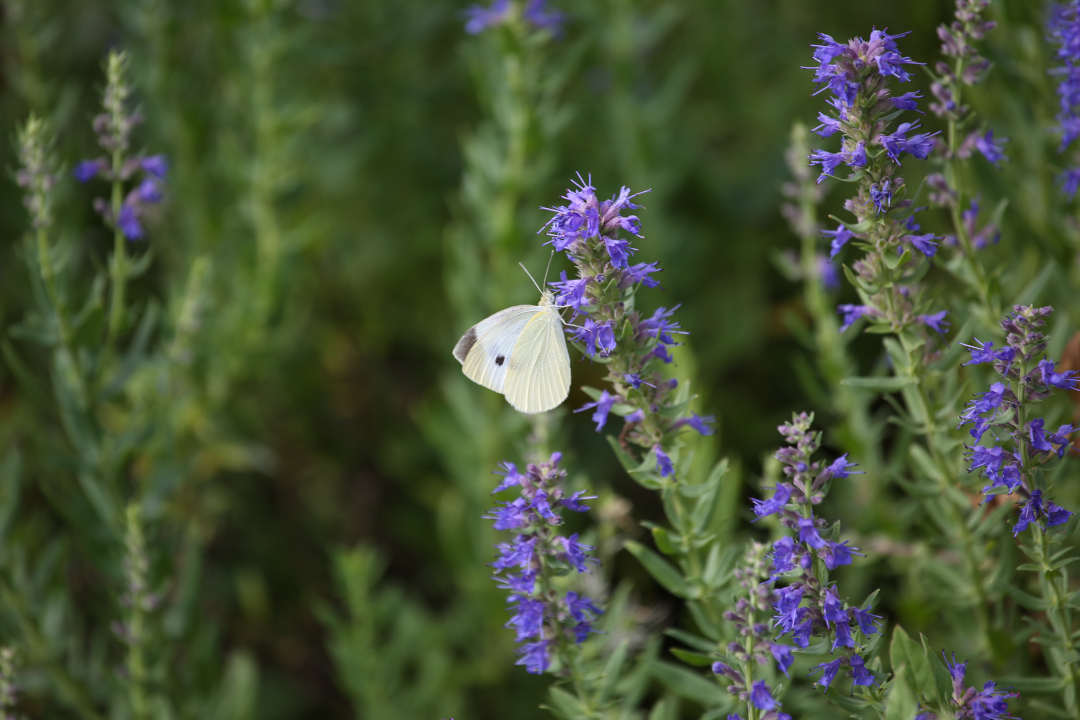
column 499, row 360
column 464, row 345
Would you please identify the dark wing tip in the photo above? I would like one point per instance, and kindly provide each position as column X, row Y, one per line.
column 464, row 345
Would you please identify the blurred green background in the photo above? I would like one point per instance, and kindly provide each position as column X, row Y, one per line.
column 335, row 157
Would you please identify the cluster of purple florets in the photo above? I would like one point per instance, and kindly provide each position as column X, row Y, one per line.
column 113, row 128
column 1029, row 377
column 634, row 345
column 535, row 14
column 1064, row 29
column 986, row 704
column 749, row 619
column 808, row 607
column 541, row 615
column 858, row 75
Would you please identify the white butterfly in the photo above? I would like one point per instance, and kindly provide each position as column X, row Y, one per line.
column 521, row 353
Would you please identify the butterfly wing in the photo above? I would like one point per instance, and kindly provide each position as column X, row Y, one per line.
column 485, row 350
column 538, row 376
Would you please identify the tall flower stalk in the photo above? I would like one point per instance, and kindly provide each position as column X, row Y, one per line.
column 1011, row 447
column 124, row 209
column 605, row 326
column 964, row 67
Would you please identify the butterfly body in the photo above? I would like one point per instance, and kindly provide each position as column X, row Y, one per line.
column 521, row 353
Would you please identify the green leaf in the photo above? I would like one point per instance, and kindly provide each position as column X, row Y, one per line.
column 565, row 705
column 664, row 572
column 663, row 540
column 878, row 384
column 942, row 678
column 901, row 703
column 905, row 651
column 694, row 641
column 688, row 684
column 1025, row 599
column 845, row 701
column 613, row 671
column 693, row 658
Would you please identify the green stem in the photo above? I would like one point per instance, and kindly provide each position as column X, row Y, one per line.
column 67, row 347
column 118, row 268
column 1057, row 612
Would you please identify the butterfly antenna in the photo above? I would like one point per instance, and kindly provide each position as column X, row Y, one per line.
column 531, row 277
column 550, row 258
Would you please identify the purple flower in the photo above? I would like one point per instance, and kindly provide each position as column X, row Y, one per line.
column 1029, row 513
column 990, row 458
column 989, row 401
column 784, row 557
column 596, row 336
column 537, row 14
column 575, row 553
column 829, row 277
column 881, row 195
column 924, row 243
column 659, row 327
column 88, row 169
column 828, row 126
column 129, row 222
column 480, row 18
column 148, row 191
column 866, row 621
column 699, row 423
column 840, row 237
column 775, row 504
column 534, row 656
column 520, row 553
column 1070, row 181
column 1060, row 437
column 859, row 672
column 839, row 467
column 1037, row 436
column 843, row 636
column 156, row 165
column 1056, row 515
column 828, row 671
column 833, row 608
column 581, row 608
column 936, row 322
column 808, row 533
column 528, row 619
column 851, row 313
column 761, row 697
column 603, row 406
column 1063, row 380
column 510, row 472
column 783, row 656
column 906, row 101
column 837, row 554
column 572, row 292
column 619, row 251
column 663, row 462
column 640, row 273
column 991, row 149
column 511, row 516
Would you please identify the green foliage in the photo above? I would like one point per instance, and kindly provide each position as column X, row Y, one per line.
column 193, row 426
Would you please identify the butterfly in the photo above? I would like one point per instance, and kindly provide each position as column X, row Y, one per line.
column 521, row 353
